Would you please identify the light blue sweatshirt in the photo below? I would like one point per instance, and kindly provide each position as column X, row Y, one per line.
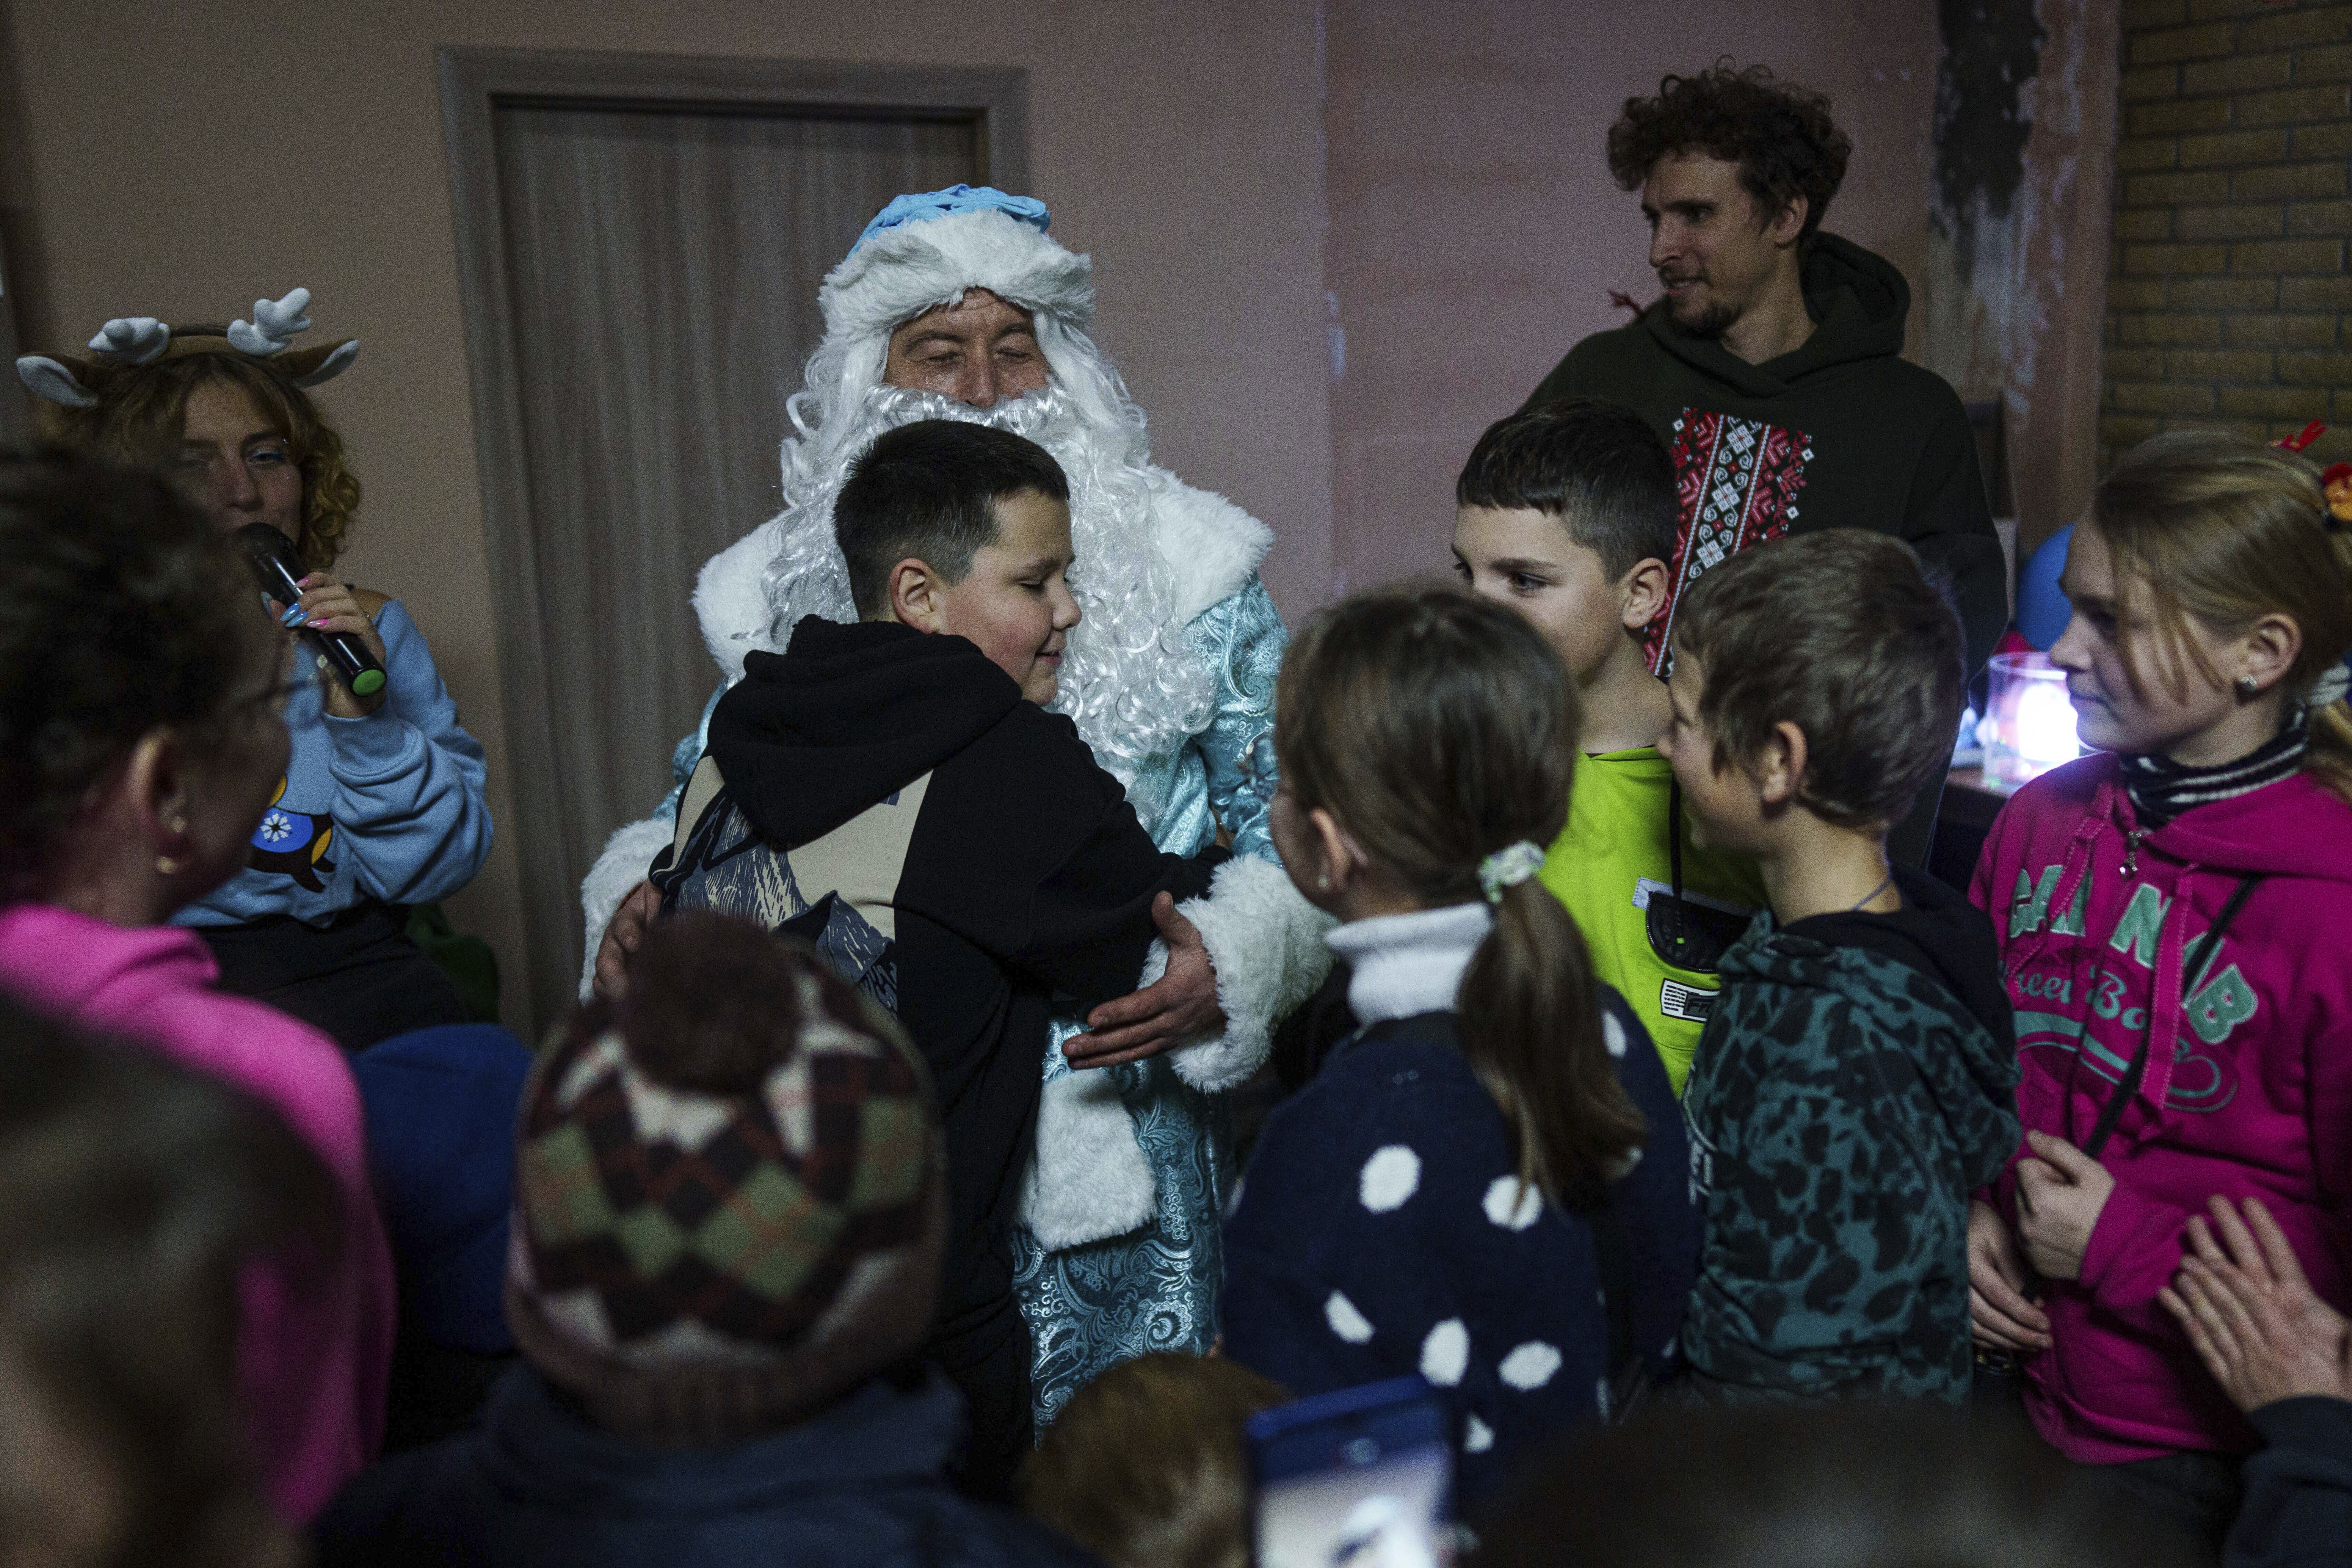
column 389, row 806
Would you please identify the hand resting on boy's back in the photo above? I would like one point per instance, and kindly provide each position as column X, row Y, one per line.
column 1178, row 1008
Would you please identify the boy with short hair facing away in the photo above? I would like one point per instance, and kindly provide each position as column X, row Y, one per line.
column 1566, row 515
column 893, row 792
column 1858, row 1079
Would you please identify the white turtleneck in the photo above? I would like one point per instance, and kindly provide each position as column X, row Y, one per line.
column 1409, row 963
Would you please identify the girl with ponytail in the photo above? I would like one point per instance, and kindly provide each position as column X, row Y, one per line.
column 2176, row 921
column 1487, row 1182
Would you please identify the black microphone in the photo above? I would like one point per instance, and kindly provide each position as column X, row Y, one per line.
column 279, row 572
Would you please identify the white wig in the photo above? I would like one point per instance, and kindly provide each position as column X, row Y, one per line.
column 1130, row 682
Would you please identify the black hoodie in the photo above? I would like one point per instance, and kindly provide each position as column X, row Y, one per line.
column 1841, row 432
column 956, row 853
column 1857, row 1081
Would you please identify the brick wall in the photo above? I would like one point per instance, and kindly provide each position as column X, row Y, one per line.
column 2228, row 301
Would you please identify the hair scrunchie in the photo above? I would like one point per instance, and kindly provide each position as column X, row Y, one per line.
column 2330, row 687
column 1508, row 867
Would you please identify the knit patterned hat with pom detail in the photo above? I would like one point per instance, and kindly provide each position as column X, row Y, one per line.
column 729, row 1207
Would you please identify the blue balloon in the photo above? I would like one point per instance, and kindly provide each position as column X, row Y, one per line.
column 2041, row 610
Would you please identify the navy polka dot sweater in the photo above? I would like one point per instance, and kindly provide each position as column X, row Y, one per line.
column 1381, row 1229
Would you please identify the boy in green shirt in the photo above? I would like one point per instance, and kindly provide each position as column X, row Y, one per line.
column 1566, row 513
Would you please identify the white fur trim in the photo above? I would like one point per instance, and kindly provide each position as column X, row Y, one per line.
column 730, row 598
column 1266, row 944
column 621, row 867
column 1211, row 545
column 1089, row 1178
column 901, row 272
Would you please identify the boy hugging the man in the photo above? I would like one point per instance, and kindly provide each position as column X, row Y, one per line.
column 1566, row 514
column 1858, row 1077
column 894, row 792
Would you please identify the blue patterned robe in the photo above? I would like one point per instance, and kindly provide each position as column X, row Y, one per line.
column 1091, row 1306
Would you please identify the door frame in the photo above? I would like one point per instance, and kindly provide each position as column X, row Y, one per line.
column 476, row 83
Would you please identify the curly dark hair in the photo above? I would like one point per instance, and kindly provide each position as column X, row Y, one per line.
column 121, row 609
column 139, row 415
column 1780, row 134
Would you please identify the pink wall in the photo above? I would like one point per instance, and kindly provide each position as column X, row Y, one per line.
column 1475, row 233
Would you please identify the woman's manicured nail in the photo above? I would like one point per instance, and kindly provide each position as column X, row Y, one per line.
column 293, row 617
column 318, row 625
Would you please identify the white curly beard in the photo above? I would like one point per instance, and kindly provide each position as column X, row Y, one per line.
column 1130, row 680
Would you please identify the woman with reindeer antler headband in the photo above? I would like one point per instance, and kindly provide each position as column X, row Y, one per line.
column 382, row 804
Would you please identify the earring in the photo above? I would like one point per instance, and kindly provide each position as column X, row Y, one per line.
column 1322, row 881
column 172, row 865
column 2246, row 687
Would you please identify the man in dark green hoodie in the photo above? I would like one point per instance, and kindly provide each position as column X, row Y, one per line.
column 1772, row 366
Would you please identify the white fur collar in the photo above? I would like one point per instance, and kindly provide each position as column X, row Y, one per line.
column 1409, row 963
column 730, row 599
column 1211, row 545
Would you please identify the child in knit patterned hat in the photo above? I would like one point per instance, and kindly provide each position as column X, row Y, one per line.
column 727, row 1238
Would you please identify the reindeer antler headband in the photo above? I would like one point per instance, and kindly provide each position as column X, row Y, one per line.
column 128, row 342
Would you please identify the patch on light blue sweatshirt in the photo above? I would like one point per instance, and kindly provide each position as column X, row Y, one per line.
column 387, row 807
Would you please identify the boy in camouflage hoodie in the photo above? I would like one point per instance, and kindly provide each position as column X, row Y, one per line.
column 1858, row 1077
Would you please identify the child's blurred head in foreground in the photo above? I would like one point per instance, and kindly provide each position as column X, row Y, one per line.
column 132, row 1192
column 1859, row 1485
column 740, row 1063
column 1145, row 1468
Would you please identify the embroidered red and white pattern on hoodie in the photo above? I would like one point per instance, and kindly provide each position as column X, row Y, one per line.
column 1736, row 484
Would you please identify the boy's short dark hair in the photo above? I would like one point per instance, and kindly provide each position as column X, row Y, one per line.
column 1780, row 134
column 1840, row 633
column 1597, row 467
column 928, row 490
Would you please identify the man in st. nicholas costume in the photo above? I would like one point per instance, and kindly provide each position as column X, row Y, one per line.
column 957, row 304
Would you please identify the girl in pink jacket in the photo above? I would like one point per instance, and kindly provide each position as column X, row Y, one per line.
column 139, row 743
column 2176, row 925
